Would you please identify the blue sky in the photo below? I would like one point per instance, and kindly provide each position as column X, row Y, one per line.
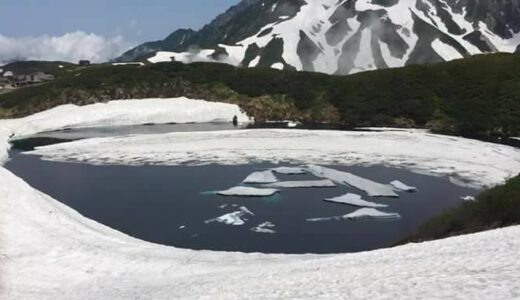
column 94, row 29
column 136, row 20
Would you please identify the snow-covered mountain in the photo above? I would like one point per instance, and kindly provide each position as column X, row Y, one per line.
column 344, row 36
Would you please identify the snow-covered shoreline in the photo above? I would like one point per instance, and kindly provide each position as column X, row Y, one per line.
column 467, row 162
column 49, row 251
column 130, row 112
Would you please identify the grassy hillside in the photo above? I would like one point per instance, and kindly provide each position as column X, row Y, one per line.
column 494, row 208
column 479, row 95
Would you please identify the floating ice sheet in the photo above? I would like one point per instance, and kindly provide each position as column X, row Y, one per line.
column 301, row 184
column 265, row 227
column 289, row 170
column 234, row 218
column 372, row 188
column 362, row 213
column 354, row 200
column 398, row 185
column 248, row 192
column 261, row 177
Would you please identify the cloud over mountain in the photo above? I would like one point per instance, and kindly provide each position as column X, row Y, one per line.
column 70, row 47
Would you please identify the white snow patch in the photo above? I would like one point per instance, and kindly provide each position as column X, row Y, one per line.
column 277, row 66
column 365, row 59
column 203, row 55
column 248, row 192
column 447, row 52
column 233, row 218
column 236, row 54
column 253, row 63
column 399, row 186
column 502, row 45
column 301, row 184
column 410, row 130
column 372, row 188
column 355, row 200
column 261, row 177
column 126, row 64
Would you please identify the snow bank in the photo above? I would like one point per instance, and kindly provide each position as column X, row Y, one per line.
column 475, row 163
column 130, row 112
column 355, row 200
column 5, row 132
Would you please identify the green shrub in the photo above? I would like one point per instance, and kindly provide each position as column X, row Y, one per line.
column 494, row 208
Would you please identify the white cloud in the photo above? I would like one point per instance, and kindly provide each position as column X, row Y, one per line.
column 70, row 47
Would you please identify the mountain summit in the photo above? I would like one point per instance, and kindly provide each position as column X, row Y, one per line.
column 344, row 36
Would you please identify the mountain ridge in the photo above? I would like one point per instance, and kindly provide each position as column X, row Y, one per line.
column 346, row 36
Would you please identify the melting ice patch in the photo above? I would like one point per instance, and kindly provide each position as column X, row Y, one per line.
column 363, row 213
column 301, row 184
column 265, row 227
column 372, row 188
column 248, row 192
column 399, row 186
column 289, row 171
column 233, row 218
column 354, row 200
column 468, row 198
column 261, row 177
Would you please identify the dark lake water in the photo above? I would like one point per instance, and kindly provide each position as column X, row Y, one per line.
column 169, row 205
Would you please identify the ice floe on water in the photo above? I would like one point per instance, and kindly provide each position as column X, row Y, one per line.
column 265, row 227
column 399, row 186
column 234, row 218
column 468, row 198
column 372, row 188
column 354, row 200
column 246, row 191
column 289, row 170
column 301, row 184
column 362, row 213
column 261, row 177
